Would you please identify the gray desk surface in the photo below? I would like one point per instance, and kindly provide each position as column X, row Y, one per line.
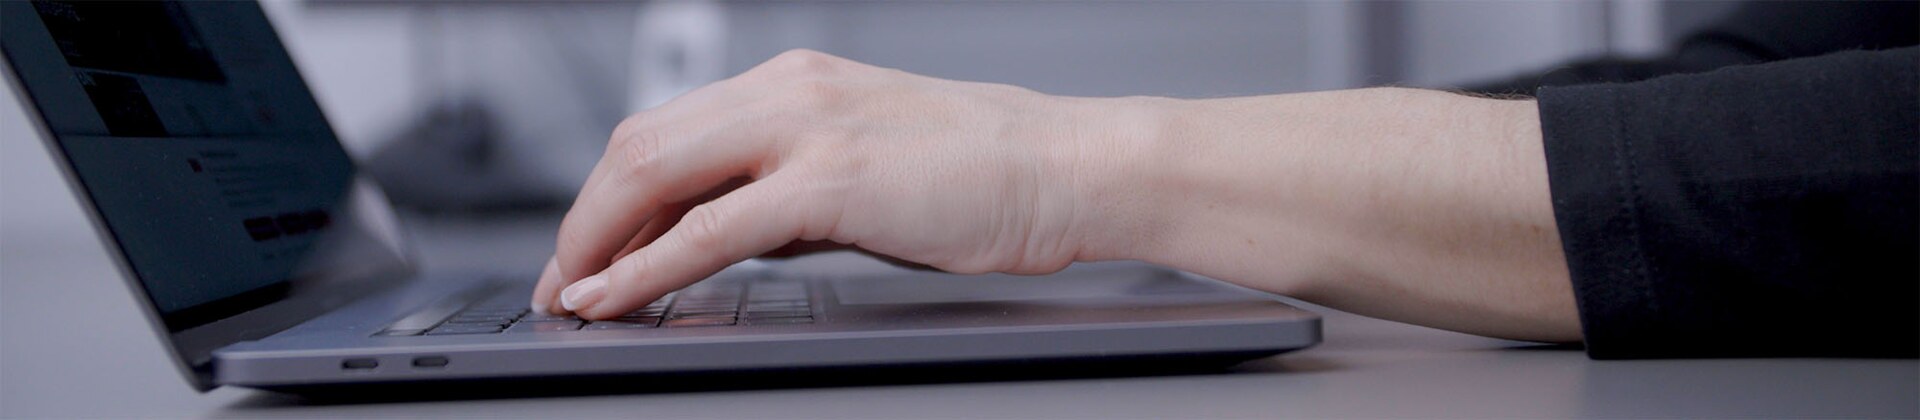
column 71, row 345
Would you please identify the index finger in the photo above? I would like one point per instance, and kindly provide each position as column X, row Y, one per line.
column 621, row 151
column 752, row 220
column 653, row 167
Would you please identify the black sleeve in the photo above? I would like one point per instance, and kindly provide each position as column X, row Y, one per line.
column 1764, row 210
column 1757, row 32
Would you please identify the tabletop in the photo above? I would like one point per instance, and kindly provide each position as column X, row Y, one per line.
column 72, row 345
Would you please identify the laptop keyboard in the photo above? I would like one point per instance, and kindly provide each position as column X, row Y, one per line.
column 708, row 304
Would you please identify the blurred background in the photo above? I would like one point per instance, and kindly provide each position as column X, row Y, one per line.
column 488, row 115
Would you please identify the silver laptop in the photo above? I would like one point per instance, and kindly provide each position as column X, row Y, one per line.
column 263, row 261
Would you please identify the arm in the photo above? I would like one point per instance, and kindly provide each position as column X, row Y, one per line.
column 1418, row 206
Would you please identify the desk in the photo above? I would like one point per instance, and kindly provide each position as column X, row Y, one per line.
column 72, row 345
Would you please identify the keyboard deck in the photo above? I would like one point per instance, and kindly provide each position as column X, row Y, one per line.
column 717, row 304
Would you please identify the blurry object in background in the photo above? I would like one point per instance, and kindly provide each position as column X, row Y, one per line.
column 552, row 77
column 450, row 160
column 519, row 100
column 678, row 46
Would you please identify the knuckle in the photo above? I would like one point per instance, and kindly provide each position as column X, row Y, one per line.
column 703, row 225
column 1009, row 90
column 641, row 151
column 805, row 60
column 629, row 125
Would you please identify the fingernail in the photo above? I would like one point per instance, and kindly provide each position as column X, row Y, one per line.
column 584, row 293
column 540, row 307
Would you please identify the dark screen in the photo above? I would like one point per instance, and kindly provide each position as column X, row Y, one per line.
column 194, row 138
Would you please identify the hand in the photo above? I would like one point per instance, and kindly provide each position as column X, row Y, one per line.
column 1419, row 206
column 810, row 150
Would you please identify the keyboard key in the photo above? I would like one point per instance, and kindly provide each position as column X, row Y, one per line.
column 778, row 307
column 478, row 318
column 710, row 293
column 646, row 312
column 497, row 306
column 777, row 291
column 704, row 315
column 453, row 329
column 497, row 324
column 704, row 305
column 485, row 315
column 691, row 308
column 651, row 319
column 541, row 317
column 477, row 321
column 708, row 304
column 486, row 310
column 778, row 314
column 698, row 322
column 622, row 325
column 780, row 321
column 544, row 326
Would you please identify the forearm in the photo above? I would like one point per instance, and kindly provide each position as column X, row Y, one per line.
column 1419, row 206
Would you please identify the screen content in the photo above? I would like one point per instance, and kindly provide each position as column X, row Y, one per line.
column 197, row 141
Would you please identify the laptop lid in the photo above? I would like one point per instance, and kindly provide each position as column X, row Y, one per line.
column 207, row 167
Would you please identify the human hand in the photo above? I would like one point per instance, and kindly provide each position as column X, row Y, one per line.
column 809, row 150
column 1418, row 206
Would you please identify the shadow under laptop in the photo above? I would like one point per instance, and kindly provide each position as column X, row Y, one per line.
column 784, row 378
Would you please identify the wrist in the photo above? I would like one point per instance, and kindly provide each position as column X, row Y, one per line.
column 1231, row 188
column 1116, row 151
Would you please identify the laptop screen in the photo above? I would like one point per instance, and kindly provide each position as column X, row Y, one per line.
column 199, row 145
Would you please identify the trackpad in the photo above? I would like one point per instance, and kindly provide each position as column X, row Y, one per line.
column 1094, row 281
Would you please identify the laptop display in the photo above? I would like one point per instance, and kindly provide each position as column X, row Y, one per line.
column 189, row 128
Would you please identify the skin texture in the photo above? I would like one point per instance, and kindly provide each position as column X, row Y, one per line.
column 1418, row 206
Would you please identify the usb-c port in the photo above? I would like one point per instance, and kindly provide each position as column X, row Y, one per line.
column 430, row 361
column 359, row 364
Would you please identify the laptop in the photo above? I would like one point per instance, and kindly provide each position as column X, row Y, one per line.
column 263, row 260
